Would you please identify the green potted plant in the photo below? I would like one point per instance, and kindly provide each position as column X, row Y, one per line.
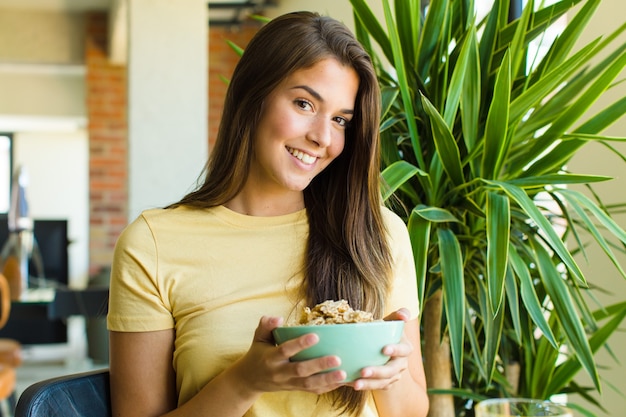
column 476, row 133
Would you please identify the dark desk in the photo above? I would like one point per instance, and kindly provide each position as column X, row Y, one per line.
column 90, row 302
column 39, row 317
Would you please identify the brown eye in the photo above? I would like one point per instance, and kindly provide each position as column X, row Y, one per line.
column 342, row 121
column 303, row 104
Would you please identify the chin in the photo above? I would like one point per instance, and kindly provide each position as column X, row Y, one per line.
column 299, row 187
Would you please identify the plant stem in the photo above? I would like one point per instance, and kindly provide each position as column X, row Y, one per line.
column 437, row 365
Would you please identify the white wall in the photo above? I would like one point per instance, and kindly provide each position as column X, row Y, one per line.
column 596, row 159
column 58, row 172
column 167, row 88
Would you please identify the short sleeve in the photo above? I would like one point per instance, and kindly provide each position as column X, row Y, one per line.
column 403, row 292
column 136, row 300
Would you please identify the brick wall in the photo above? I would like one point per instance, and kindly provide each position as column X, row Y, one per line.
column 108, row 145
column 222, row 61
column 108, row 132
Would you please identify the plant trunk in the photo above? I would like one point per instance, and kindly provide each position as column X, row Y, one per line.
column 437, row 360
column 512, row 371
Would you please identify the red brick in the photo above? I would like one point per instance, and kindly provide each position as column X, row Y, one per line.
column 107, row 107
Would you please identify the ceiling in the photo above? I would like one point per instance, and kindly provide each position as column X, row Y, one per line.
column 82, row 5
column 57, row 5
column 221, row 12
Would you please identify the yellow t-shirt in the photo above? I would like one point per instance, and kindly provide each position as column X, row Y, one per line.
column 211, row 274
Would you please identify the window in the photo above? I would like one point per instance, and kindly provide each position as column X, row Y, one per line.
column 6, row 167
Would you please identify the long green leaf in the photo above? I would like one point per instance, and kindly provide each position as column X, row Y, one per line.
column 496, row 136
column 419, row 232
column 496, row 19
column 540, row 22
column 476, row 350
column 370, row 21
column 405, row 90
column 513, row 302
column 605, row 219
column 453, row 294
column 578, row 108
column 564, row 151
column 238, row 49
column 498, row 232
column 517, row 49
column 568, row 38
column 471, row 97
column 395, row 175
column 575, row 204
column 568, row 369
column 458, row 79
column 437, row 11
column 408, row 21
column 434, row 214
column 544, row 225
column 548, row 83
column 542, row 181
column 568, row 95
column 493, row 321
column 447, row 149
column 542, row 365
column 529, row 296
column 388, row 97
column 564, row 307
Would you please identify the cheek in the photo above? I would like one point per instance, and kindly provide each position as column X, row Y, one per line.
column 275, row 123
column 337, row 146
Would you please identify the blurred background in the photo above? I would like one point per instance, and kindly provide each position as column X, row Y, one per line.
column 112, row 106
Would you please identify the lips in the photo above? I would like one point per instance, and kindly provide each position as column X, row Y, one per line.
column 304, row 157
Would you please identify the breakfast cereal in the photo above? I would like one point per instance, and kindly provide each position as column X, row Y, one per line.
column 333, row 312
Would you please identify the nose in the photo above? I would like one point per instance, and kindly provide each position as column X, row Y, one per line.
column 319, row 132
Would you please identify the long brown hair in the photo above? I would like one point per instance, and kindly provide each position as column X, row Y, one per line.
column 347, row 255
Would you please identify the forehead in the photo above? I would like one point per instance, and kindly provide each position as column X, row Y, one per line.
column 329, row 78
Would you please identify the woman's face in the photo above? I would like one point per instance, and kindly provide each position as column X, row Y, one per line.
column 302, row 127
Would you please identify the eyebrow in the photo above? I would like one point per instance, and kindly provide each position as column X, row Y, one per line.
column 318, row 97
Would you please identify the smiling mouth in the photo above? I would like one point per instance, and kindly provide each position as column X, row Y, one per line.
column 305, row 158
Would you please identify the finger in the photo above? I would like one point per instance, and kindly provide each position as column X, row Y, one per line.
column 398, row 350
column 401, row 314
column 372, row 384
column 293, row 346
column 393, row 367
column 319, row 369
column 263, row 332
column 380, row 377
column 323, row 382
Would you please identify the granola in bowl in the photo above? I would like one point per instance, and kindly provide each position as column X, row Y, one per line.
column 333, row 312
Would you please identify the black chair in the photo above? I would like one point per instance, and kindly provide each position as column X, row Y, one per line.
column 84, row 394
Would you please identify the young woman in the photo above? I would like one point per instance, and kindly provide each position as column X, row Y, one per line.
column 289, row 215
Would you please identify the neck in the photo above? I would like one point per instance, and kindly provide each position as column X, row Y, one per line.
column 266, row 205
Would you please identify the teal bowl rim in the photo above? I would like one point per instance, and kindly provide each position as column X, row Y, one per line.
column 317, row 326
column 284, row 333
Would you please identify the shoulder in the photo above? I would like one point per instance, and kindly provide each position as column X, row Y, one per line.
column 393, row 222
column 397, row 232
column 165, row 218
column 158, row 221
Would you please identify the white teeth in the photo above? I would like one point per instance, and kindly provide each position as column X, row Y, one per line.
column 307, row 159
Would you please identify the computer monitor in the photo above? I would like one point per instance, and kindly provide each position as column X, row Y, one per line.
column 52, row 243
column 28, row 323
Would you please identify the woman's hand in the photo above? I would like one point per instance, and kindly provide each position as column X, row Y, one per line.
column 383, row 377
column 267, row 367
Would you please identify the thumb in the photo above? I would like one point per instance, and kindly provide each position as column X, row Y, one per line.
column 263, row 332
column 400, row 314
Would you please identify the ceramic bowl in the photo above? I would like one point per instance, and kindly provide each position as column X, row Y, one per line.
column 357, row 344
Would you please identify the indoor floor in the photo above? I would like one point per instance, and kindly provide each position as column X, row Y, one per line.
column 48, row 361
